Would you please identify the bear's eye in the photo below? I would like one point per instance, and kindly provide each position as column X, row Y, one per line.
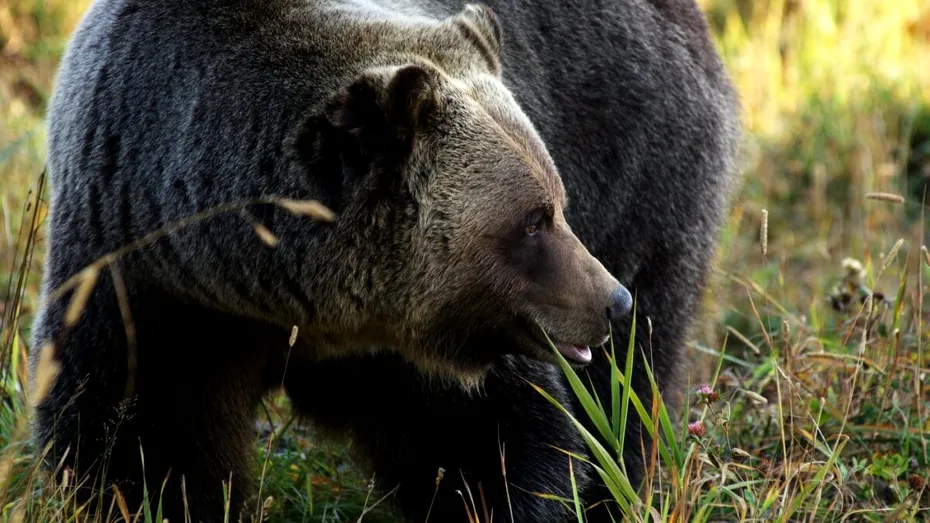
column 535, row 222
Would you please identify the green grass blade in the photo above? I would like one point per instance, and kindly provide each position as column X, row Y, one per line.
column 614, row 478
column 665, row 421
column 615, row 394
column 146, row 501
column 597, row 415
column 628, row 384
column 159, row 517
column 577, row 501
column 640, row 408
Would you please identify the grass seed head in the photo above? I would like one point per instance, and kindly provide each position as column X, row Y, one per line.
column 293, row 338
column 81, row 295
column 892, row 254
column 885, row 196
column 265, row 235
column 764, row 232
column 755, row 397
column 311, row 208
column 46, row 373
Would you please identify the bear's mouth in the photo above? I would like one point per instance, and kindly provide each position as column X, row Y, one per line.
column 575, row 353
column 579, row 353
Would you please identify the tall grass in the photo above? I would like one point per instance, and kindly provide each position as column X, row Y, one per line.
column 812, row 351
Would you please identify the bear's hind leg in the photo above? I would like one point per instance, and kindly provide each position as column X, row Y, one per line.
column 198, row 377
column 82, row 407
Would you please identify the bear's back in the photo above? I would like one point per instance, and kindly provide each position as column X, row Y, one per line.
column 165, row 109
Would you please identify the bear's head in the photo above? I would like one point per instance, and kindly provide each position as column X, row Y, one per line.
column 461, row 209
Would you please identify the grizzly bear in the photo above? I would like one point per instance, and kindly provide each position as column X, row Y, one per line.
column 637, row 111
column 493, row 174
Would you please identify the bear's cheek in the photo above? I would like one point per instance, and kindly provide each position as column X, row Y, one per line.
column 541, row 269
column 527, row 257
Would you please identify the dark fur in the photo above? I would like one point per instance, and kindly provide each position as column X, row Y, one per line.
column 630, row 100
column 643, row 123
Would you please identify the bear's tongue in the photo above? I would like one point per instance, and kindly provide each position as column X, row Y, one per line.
column 576, row 353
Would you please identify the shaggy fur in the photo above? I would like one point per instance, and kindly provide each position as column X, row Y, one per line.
column 491, row 171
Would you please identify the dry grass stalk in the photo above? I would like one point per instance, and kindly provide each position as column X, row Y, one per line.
column 309, row 208
column 6, row 466
column 867, row 307
column 129, row 326
column 121, row 503
column 923, row 249
column 19, row 514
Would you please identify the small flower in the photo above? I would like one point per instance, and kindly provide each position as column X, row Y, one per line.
column 855, row 272
column 707, row 394
column 697, row 429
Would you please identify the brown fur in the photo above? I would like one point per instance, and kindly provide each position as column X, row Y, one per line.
column 450, row 245
column 439, row 125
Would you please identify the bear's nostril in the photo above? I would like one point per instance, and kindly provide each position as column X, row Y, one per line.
column 620, row 303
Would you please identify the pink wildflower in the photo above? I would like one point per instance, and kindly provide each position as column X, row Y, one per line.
column 708, row 394
column 697, row 429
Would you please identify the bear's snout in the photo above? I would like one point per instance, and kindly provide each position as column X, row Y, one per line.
column 620, row 303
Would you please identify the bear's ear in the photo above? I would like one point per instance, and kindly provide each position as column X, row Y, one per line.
column 385, row 108
column 479, row 24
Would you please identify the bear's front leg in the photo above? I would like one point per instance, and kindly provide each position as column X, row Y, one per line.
column 405, row 427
